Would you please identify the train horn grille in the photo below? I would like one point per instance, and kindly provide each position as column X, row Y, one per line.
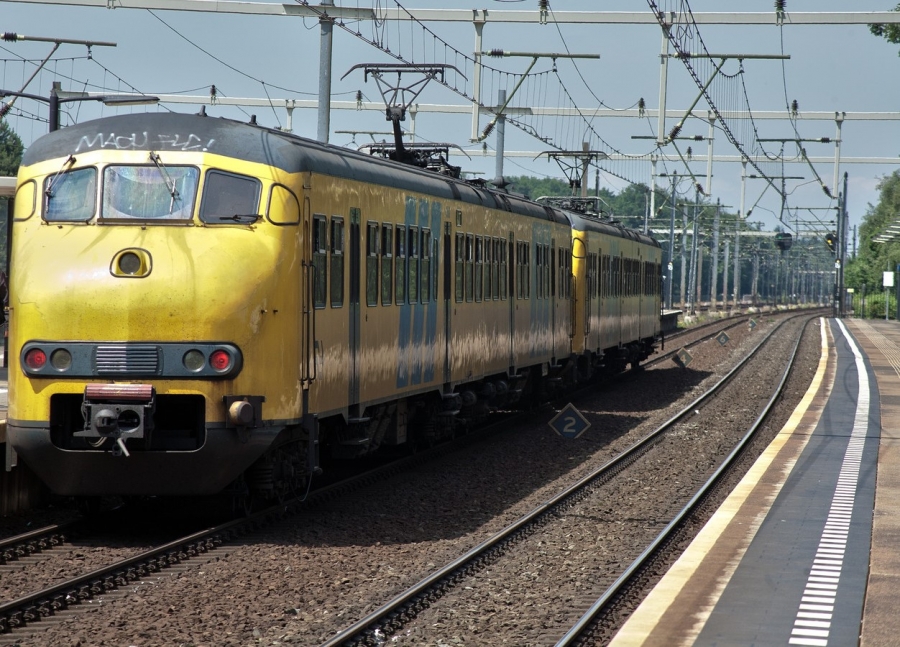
column 127, row 359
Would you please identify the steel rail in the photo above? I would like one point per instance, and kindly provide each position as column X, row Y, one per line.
column 589, row 618
column 388, row 618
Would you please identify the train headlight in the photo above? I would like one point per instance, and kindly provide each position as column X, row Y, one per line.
column 35, row 359
column 220, row 360
column 129, row 263
column 194, row 360
column 61, row 359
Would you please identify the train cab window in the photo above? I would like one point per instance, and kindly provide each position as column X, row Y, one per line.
column 479, row 267
column 412, row 260
column 372, row 249
column 425, row 268
column 284, row 208
column 25, row 200
column 400, row 264
column 470, row 266
column 319, row 252
column 337, row 262
column 459, row 265
column 71, row 196
column 387, row 264
column 229, row 198
column 152, row 193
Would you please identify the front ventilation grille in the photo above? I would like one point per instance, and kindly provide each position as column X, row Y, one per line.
column 127, row 359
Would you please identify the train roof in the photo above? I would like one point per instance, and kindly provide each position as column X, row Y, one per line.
column 294, row 154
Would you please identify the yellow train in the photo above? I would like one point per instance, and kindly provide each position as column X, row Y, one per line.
column 198, row 305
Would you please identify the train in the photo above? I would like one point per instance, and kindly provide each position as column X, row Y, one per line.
column 199, row 306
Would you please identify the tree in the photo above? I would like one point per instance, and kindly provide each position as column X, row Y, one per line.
column 11, row 150
column 890, row 32
column 875, row 258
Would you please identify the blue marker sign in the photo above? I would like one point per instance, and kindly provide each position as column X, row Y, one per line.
column 569, row 423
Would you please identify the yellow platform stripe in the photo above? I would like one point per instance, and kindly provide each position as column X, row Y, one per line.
column 640, row 628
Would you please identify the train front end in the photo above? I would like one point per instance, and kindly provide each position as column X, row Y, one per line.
column 154, row 276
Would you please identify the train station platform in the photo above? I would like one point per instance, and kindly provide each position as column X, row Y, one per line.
column 804, row 550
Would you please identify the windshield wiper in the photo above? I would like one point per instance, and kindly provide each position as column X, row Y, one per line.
column 49, row 191
column 170, row 183
column 242, row 217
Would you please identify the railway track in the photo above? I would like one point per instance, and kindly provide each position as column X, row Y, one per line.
column 60, row 599
column 398, row 616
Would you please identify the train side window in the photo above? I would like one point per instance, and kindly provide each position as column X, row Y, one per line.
column 459, row 269
column 320, row 257
column 284, row 208
column 387, row 264
column 71, row 196
column 553, row 270
column 400, row 264
column 470, row 266
column 229, row 198
column 479, row 268
column 425, row 268
column 488, row 268
column 539, row 271
column 337, row 262
column 498, row 260
column 504, row 270
column 372, row 263
column 412, row 251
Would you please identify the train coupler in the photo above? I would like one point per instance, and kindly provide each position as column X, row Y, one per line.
column 117, row 412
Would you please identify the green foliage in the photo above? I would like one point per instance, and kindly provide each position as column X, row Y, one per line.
column 873, row 258
column 891, row 32
column 11, row 150
column 871, row 306
column 534, row 187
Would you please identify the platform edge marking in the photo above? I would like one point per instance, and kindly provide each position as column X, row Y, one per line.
column 645, row 620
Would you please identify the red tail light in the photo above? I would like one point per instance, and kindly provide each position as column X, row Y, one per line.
column 220, row 360
column 35, row 359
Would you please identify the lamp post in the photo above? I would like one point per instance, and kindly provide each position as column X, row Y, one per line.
column 54, row 101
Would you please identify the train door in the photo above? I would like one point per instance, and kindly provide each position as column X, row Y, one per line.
column 307, row 321
column 354, row 309
column 447, row 262
column 511, row 264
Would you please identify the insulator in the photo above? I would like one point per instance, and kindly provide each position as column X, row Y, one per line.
column 488, row 129
column 212, row 90
column 795, row 107
column 10, row 36
column 825, row 140
column 675, row 131
column 543, row 5
column 4, row 109
column 641, row 106
column 690, row 152
column 497, row 53
column 779, row 5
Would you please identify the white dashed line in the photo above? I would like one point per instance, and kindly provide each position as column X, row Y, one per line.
column 821, row 586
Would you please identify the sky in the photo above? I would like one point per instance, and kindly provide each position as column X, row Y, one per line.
column 831, row 69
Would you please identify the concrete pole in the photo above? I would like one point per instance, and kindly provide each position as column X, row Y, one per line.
column 725, row 274
column 737, row 235
column 326, row 31
column 714, row 267
column 501, row 136
column 663, row 74
column 476, row 84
